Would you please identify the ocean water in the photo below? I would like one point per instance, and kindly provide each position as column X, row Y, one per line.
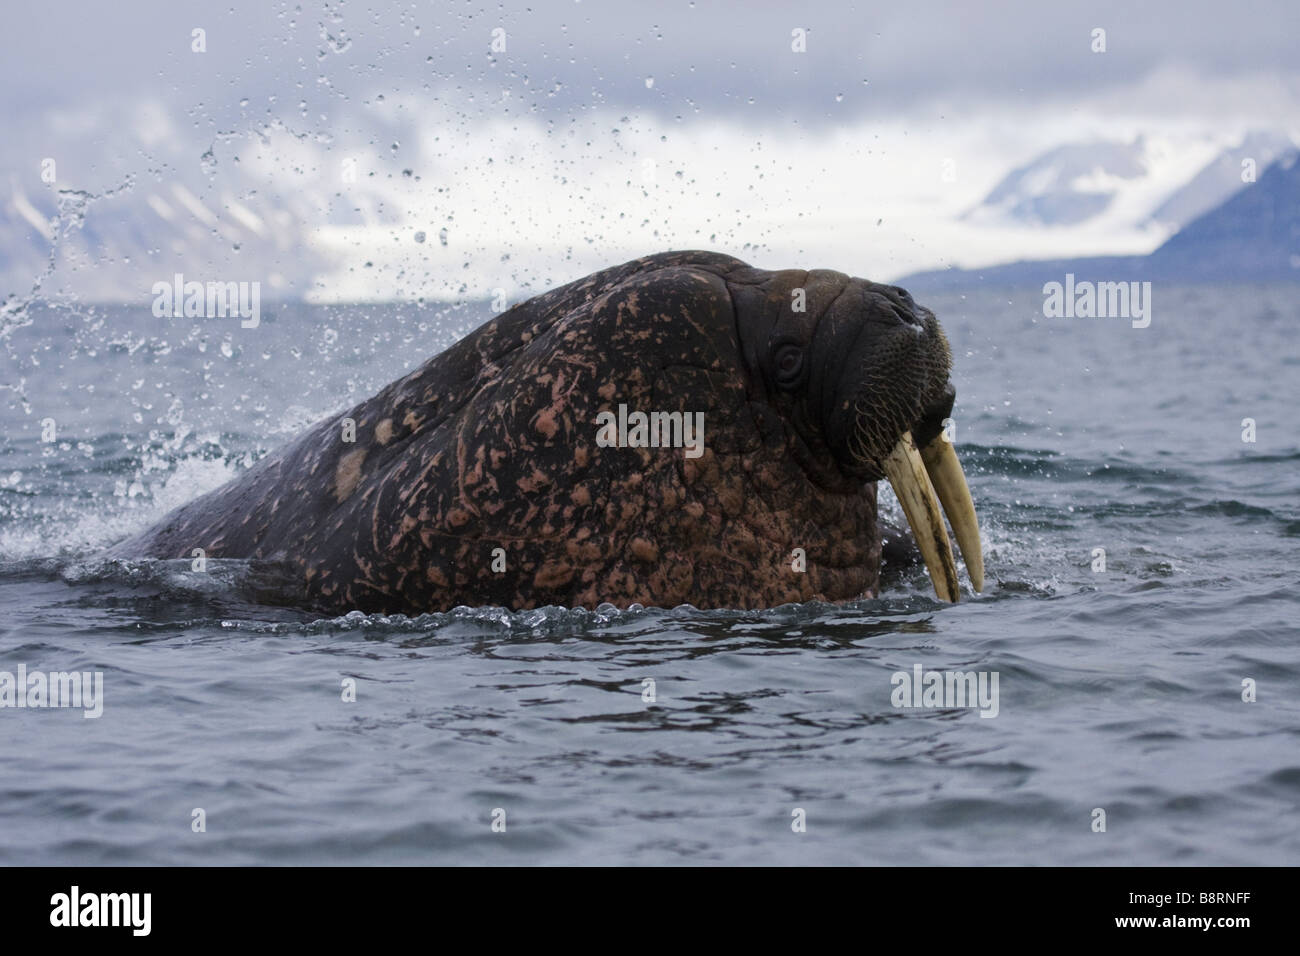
column 1119, row 690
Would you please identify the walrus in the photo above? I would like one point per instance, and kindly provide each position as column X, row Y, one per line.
column 680, row 429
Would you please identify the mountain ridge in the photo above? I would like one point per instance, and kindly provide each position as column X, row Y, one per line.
column 1254, row 235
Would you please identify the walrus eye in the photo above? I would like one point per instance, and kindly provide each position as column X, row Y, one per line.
column 789, row 365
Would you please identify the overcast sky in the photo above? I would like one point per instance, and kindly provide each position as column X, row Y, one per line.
column 885, row 58
column 610, row 129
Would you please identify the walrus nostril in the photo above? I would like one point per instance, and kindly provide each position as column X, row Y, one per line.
column 906, row 317
column 912, row 319
column 891, row 300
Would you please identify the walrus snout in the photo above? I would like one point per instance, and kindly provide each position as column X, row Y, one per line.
column 892, row 365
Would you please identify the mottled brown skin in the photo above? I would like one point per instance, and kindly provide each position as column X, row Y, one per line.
column 493, row 444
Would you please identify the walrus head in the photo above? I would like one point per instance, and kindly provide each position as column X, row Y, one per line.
column 862, row 374
column 682, row 428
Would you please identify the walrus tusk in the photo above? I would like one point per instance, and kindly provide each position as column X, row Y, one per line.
column 907, row 476
column 954, row 494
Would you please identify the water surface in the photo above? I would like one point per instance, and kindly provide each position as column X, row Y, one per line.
column 1119, row 690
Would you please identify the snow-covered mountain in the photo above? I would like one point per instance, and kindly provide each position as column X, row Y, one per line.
column 1222, row 177
column 1066, row 185
column 403, row 201
column 1149, row 182
column 114, row 244
column 1253, row 236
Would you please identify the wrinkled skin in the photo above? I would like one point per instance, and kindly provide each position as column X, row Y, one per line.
column 492, row 444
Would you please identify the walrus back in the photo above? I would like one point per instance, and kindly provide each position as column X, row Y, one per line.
column 316, row 503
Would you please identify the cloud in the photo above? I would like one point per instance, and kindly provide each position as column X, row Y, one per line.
column 562, row 57
column 532, row 161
